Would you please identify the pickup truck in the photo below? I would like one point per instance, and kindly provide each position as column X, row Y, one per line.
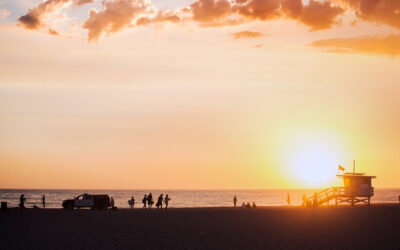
column 97, row 201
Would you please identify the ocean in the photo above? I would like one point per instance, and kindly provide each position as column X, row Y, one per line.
column 179, row 198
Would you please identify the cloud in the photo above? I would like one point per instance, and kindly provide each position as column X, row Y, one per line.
column 246, row 34
column 380, row 11
column 317, row 15
column 33, row 19
column 53, row 32
column 258, row 9
column 210, row 10
column 115, row 16
column 4, row 13
column 389, row 45
column 160, row 17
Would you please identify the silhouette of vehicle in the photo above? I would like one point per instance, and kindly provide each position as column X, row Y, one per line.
column 97, row 202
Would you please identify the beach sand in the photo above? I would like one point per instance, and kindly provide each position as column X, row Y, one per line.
column 374, row 227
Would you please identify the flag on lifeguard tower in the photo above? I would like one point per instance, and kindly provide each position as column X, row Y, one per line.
column 340, row 168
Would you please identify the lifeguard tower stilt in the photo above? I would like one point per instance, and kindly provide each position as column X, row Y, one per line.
column 357, row 189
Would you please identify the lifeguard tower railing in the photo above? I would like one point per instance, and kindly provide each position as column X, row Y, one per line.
column 340, row 195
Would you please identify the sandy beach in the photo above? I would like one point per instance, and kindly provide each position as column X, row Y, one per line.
column 374, row 227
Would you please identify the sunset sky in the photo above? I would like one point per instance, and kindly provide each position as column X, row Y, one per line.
column 198, row 94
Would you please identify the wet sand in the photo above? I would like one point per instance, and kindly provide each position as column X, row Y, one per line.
column 375, row 227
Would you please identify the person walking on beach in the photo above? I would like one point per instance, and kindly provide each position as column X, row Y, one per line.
column 159, row 201
column 131, row 202
column 288, row 199
column 234, row 201
column 144, row 201
column 150, row 201
column 22, row 201
column 44, row 201
column 166, row 200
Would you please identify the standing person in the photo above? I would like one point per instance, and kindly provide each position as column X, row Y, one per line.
column 144, row 201
column 304, row 200
column 44, row 201
column 112, row 202
column 159, row 201
column 234, row 201
column 288, row 199
column 22, row 201
column 315, row 200
column 150, row 200
column 131, row 202
column 166, row 200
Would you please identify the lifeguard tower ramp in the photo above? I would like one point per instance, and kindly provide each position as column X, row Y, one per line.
column 357, row 189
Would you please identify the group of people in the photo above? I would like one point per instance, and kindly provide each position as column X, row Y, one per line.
column 22, row 200
column 148, row 201
column 244, row 205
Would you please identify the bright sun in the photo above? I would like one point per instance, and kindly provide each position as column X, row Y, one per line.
column 314, row 159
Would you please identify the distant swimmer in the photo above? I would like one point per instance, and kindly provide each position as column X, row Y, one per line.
column 22, row 201
column 144, row 201
column 234, row 201
column 166, row 200
column 288, row 199
column 44, row 201
column 159, row 201
column 131, row 202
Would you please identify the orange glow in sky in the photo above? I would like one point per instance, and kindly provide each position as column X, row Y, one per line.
column 201, row 94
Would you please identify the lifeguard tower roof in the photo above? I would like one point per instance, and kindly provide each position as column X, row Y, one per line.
column 351, row 174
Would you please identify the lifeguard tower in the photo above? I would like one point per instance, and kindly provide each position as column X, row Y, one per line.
column 357, row 189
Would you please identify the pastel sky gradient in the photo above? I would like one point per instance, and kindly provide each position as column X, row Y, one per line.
column 197, row 94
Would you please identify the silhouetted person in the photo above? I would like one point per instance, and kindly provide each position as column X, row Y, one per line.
column 44, row 201
column 288, row 199
column 254, row 205
column 243, row 205
column 248, row 205
column 234, row 201
column 22, row 201
column 159, row 201
column 131, row 202
column 315, row 200
column 166, row 200
column 112, row 203
column 144, row 201
column 150, row 201
column 304, row 200
column 399, row 198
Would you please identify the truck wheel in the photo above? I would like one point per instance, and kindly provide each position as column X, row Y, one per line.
column 69, row 207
